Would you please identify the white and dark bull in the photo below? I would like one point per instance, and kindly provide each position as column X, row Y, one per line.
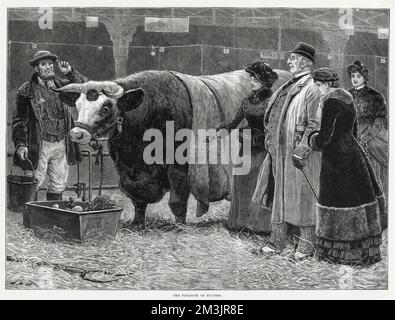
column 125, row 108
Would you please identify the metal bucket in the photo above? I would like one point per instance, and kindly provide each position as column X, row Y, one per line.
column 21, row 189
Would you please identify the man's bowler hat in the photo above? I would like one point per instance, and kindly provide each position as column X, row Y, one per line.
column 305, row 50
column 40, row 55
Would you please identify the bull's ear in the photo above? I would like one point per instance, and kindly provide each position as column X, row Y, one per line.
column 131, row 99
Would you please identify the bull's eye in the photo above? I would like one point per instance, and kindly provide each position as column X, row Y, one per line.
column 92, row 95
column 106, row 108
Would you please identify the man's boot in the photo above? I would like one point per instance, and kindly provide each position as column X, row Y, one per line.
column 306, row 245
column 277, row 240
column 54, row 196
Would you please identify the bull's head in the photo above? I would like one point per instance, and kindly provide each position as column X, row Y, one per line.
column 99, row 104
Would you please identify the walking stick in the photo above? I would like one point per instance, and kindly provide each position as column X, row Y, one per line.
column 310, row 185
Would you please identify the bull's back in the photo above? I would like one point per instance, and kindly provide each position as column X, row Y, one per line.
column 231, row 88
column 169, row 97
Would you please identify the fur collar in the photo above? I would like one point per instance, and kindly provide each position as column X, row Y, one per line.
column 366, row 90
column 369, row 102
column 339, row 94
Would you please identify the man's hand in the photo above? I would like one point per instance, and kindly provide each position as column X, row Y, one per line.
column 298, row 162
column 22, row 152
column 64, row 66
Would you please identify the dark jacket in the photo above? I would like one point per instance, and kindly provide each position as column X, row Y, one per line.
column 370, row 103
column 27, row 120
column 350, row 210
column 372, row 123
column 253, row 110
column 347, row 178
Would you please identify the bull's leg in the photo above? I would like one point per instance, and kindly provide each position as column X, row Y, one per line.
column 139, row 213
column 179, row 192
column 180, row 211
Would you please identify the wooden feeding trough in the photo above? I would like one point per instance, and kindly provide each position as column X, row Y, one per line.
column 54, row 216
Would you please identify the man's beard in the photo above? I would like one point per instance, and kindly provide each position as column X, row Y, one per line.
column 47, row 76
column 295, row 69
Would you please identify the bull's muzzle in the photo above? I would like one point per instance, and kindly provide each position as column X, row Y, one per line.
column 80, row 135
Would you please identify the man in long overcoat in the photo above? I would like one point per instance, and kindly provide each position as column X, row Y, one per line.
column 42, row 121
column 292, row 113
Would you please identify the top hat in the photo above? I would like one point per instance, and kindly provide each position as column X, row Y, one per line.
column 262, row 71
column 360, row 67
column 40, row 55
column 305, row 50
column 325, row 75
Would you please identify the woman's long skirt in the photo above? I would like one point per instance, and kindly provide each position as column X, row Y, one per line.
column 243, row 213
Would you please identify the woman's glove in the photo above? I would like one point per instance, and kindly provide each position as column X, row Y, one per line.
column 298, row 163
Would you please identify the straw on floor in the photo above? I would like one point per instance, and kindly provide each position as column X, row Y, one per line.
column 201, row 255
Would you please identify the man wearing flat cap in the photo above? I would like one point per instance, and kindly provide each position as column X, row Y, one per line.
column 292, row 113
column 41, row 123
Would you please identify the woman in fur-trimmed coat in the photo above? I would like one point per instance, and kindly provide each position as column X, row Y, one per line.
column 350, row 200
column 372, row 116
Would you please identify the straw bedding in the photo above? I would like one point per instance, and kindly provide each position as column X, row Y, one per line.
column 201, row 255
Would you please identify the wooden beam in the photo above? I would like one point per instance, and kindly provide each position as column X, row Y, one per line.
column 268, row 12
column 226, row 17
column 315, row 18
column 214, row 15
column 377, row 16
column 363, row 20
column 240, row 13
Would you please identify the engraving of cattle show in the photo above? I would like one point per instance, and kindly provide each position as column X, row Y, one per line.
column 196, row 148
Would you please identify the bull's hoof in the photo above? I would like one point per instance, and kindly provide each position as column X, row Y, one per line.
column 182, row 220
column 135, row 224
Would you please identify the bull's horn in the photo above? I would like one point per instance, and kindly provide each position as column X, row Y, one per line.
column 112, row 90
column 72, row 87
